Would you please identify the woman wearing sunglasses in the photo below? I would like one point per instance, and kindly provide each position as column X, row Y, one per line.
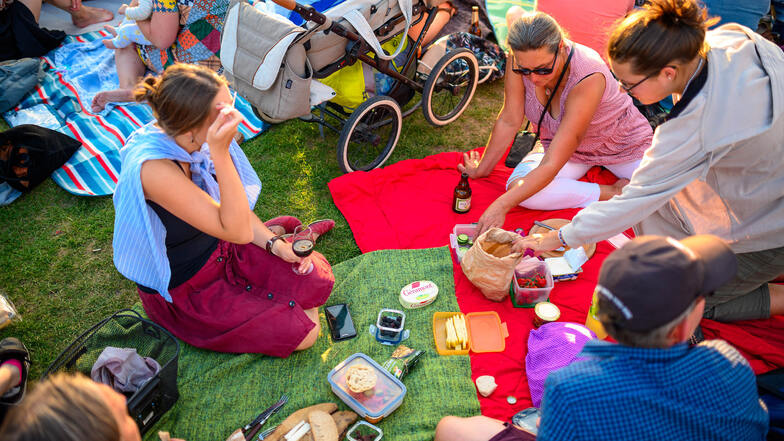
column 716, row 166
column 588, row 122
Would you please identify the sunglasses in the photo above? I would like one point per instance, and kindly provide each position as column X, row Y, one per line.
column 628, row 88
column 539, row 70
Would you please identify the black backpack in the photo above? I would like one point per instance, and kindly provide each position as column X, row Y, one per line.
column 29, row 154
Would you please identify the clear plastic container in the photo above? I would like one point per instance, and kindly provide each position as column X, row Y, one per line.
column 361, row 428
column 374, row 404
column 528, row 297
column 392, row 332
column 460, row 250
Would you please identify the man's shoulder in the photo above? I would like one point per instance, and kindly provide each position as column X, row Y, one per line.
column 721, row 352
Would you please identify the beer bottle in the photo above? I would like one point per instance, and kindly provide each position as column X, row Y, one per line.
column 475, row 22
column 461, row 202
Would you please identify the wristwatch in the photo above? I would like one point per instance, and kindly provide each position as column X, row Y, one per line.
column 271, row 243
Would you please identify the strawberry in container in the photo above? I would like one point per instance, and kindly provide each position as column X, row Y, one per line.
column 532, row 283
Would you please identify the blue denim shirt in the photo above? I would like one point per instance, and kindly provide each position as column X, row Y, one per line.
column 705, row 392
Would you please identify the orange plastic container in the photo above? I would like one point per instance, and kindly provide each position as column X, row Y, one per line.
column 486, row 333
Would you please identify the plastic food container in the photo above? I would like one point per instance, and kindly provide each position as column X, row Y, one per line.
column 458, row 249
column 529, row 297
column 418, row 294
column 486, row 333
column 375, row 404
column 390, row 325
column 363, row 428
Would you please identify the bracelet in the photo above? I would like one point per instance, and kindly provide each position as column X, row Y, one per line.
column 271, row 243
column 561, row 239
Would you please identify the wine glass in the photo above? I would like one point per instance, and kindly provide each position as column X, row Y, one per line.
column 302, row 243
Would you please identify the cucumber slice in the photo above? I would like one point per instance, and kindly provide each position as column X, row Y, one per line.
column 462, row 239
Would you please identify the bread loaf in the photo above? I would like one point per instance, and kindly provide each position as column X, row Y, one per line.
column 361, row 378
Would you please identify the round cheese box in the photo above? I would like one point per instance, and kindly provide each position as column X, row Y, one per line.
column 418, row 294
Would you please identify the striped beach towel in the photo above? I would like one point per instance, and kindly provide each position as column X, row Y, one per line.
column 75, row 72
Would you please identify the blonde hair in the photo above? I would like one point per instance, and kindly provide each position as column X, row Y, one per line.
column 659, row 33
column 181, row 97
column 64, row 407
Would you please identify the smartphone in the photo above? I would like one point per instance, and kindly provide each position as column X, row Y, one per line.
column 341, row 327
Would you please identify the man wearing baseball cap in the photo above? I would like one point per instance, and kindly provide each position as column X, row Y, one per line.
column 653, row 384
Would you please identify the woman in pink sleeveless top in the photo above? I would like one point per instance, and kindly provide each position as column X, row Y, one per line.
column 589, row 122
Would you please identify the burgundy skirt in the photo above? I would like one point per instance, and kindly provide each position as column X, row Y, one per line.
column 244, row 300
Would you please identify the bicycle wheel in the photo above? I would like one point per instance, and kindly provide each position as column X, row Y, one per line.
column 369, row 135
column 450, row 87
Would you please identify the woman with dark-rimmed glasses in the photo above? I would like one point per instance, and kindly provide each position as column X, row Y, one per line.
column 716, row 166
column 588, row 122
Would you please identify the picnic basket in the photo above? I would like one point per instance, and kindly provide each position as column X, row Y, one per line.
column 127, row 329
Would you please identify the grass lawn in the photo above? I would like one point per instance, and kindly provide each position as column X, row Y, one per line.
column 56, row 248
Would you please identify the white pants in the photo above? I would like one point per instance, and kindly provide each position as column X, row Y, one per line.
column 565, row 191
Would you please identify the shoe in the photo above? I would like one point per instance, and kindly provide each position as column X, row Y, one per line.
column 320, row 227
column 11, row 348
column 289, row 223
column 520, row 148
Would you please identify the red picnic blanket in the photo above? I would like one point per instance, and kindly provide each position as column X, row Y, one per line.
column 407, row 205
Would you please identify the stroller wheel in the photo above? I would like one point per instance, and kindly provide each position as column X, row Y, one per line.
column 370, row 134
column 450, row 87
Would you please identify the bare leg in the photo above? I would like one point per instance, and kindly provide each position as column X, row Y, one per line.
column 443, row 14
column 478, row 428
column 9, row 377
column 608, row 191
column 108, row 41
column 513, row 14
column 776, row 298
column 312, row 336
column 129, row 70
column 83, row 16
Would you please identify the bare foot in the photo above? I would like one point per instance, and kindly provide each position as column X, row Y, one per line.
column 110, row 29
column 608, row 191
column 87, row 15
column 109, row 43
column 111, row 96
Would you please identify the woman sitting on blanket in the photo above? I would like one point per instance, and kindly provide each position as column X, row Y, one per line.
column 589, row 122
column 184, row 31
column 207, row 268
column 717, row 165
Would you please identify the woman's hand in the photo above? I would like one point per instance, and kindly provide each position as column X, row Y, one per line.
column 470, row 164
column 494, row 216
column 223, row 129
column 539, row 243
column 282, row 249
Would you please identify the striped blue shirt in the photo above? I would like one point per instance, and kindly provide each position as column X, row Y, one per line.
column 705, row 392
column 139, row 236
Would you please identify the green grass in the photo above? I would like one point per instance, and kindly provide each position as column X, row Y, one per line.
column 56, row 248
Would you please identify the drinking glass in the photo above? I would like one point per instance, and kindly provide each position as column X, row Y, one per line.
column 302, row 243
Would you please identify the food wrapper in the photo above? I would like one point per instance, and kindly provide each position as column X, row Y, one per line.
column 8, row 313
column 402, row 361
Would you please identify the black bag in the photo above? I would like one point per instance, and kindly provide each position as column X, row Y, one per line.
column 127, row 329
column 525, row 141
column 29, row 154
column 771, row 390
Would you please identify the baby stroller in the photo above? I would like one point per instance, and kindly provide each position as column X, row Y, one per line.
column 274, row 70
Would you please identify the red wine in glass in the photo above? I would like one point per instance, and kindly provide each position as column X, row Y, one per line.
column 302, row 243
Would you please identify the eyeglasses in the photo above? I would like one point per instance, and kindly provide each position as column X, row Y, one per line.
column 627, row 88
column 539, row 70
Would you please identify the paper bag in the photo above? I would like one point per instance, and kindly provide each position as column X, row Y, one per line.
column 489, row 264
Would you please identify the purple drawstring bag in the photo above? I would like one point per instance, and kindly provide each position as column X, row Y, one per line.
column 552, row 346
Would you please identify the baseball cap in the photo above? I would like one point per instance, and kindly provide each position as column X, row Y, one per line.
column 651, row 280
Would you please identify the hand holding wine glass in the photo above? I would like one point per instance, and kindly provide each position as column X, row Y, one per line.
column 302, row 243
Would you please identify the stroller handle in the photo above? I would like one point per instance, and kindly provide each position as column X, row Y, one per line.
column 288, row 4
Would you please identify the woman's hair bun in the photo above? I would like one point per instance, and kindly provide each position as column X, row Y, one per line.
column 678, row 13
column 147, row 89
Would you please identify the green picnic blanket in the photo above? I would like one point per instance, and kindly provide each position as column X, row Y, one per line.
column 221, row 392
